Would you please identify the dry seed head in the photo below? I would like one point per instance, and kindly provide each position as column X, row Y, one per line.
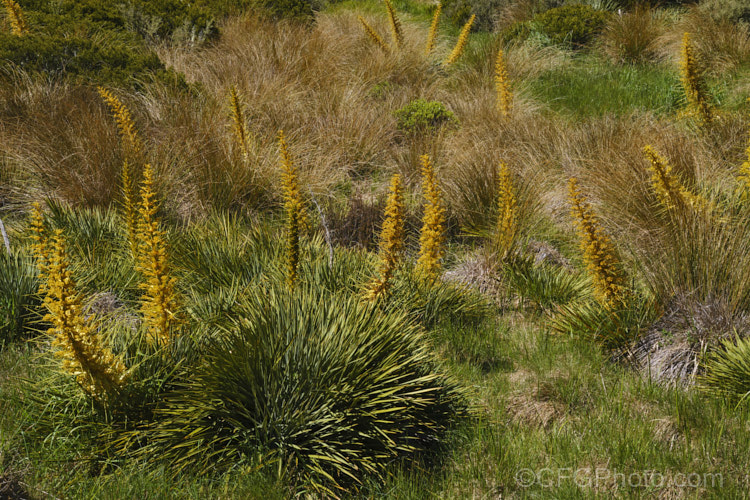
column 96, row 369
column 432, row 35
column 463, row 38
column 397, row 32
column 599, row 254
column 391, row 239
column 125, row 124
column 159, row 305
column 432, row 236
column 238, row 121
column 507, row 219
column 502, row 85
column 696, row 93
column 18, row 24
column 373, row 35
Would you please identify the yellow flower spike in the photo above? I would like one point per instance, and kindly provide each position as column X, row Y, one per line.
column 432, row 236
column 744, row 173
column 696, row 94
column 507, row 218
column 397, row 32
column 463, row 38
column 125, row 124
column 159, row 305
column 432, row 35
column 602, row 262
column 391, row 240
column 129, row 202
column 373, row 35
column 18, row 24
column 40, row 247
column 670, row 191
column 96, row 369
column 238, row 121
column 296, row 214
column 502, row 85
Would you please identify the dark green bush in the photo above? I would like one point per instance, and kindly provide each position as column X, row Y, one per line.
column 459, row 11
column 285, row 9
column 422, row 116
column 570, row 25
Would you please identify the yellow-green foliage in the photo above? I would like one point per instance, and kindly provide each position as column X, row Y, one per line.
column 463, row 38
column 159, row 303
column 397, row 32
column 696, row 94
column 391, row 239
column 125, row 123
column 238, row 121
column 40, row 247
column 432, row 35
column 18, row 24
column 373, row 35
column 668, row 187
column 432, row 236
column 502, row 85
column 294, row 206
column 96, row 369
column 507, row 218
column 600, row 256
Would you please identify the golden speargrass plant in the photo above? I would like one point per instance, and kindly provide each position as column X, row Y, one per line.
column 373, row 35
column 432, row 35
column 463, row 38
column 391, row 240
column 40, row 248
column 294, row 206
column 696, row 94
column 507, row 218
column 397, row 32
column 96, row 369
column 432, row 236
column 125, row 123
column 159, row 304
column 238, row 121
column 502, row 85
column 670, row 191
column 599, row 254
column 18, row 24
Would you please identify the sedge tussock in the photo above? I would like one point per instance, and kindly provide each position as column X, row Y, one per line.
column 391, row 239
column 432, row 34
column 125, row 123
column 602, row 262
column 159, row 304
column 463, row 38
column 97, row 370
column 373, row 35
column 507, row 219
column 696, row 93
column 432, row 236
column 502, row 85
column 296, row 215
column 18, row 24
column 397, row 31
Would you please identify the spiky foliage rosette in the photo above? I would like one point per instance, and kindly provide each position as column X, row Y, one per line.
column 391, row 239
column 373, row 35
column 670, row 191
column 96, row 369
column 325, row 388
column 432, row 236
column 294, row 206
column 397, row 32
column 432, row 34
column 18, row 295
column 159, row 304
column 727, row 370
column 601, row 258
column 125, row 124
column 696, row 93
column 502, row 85
column 463, row 38
column 238, row 121
column 507, row 217
column 18, row 24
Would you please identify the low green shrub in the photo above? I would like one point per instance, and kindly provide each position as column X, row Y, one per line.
column 424, row 116
column 301, row 10
column 459, row 12
column 572, row 26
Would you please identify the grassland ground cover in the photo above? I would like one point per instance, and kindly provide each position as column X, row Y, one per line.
column 371, row 249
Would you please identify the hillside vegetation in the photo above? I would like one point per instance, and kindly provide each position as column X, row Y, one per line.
column 374, row 249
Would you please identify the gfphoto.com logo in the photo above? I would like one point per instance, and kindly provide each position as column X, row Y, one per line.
column 590, row 477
